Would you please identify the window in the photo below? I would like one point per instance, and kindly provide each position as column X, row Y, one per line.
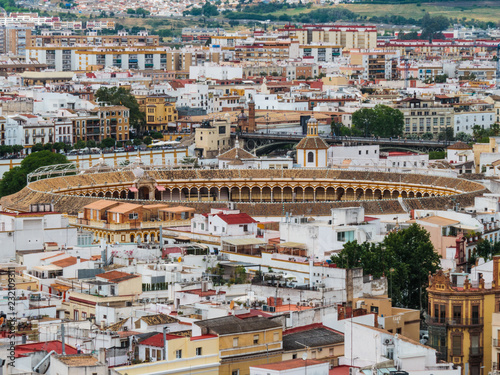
column 178, row 354
column 399, row 331
column 235, row 342
column 276, row 336
column 294, row 356
column 456, row 345
column 310, row 157
column 345, row 236
column 255, row 339
column 457, row 314
column 374, row 309
column 475, row 314
column 235, row 372
column 198, row 351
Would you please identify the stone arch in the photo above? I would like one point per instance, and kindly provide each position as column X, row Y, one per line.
column 204, row 193
column 266, row 194
column 116, row 194
column 298, row 194
column 256, row 194
column 386, row 194
column 276, row 194
column 87, row 195
column 377, row 194
column 330, row 193
column 184, row 194
column 419, row 194
column 319, row 194
column 235, row 193
column 360, row 194
column 94, row 195
column 176, row 194
column 411, row 194
column 214, row 193
column 143, row 192
column 340, row 193
column 152, row 237
column 193, row 194
column 245, row 194
column 100, row 194
column 395, row 194
column 287, row 194
column 426, row 194
column 368, row 194
column 132, row 238
column 404, row 194
column 349, row 194
column 108, row 194
column 310, row 157
column 224, row 193
column 309, row 194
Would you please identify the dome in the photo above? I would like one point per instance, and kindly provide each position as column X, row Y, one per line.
column 242, row 116
column 312, row 120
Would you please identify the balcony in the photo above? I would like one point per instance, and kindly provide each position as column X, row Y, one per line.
column 496, row 343
column 441, row 352
column 455, row 322
column 475, row 354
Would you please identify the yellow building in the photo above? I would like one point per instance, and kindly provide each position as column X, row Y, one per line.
column 460, row 320
column 212, row 139
column 185, row 355
column 484, row 148
column 159, row 112
column 405, row 322
column 243, row 342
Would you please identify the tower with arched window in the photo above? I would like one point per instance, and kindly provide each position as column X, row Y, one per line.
column 312, row 150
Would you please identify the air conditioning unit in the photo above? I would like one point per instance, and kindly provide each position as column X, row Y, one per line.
column 388, row 342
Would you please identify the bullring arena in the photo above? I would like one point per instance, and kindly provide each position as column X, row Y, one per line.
column 270, row 192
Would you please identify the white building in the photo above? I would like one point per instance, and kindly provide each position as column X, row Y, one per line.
column 212, row 71
column 224, row 222
column 312, row 150
column 464, row 122
column 323, row 238
column 370, row 346
column 271, row 102
column 32, row 231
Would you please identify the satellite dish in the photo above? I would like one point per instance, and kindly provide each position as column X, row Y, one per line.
column 304, row 356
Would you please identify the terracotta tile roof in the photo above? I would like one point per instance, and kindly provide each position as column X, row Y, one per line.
column 53, row 256
column 101, row 204
column 459, row 146
column 47, row 346
column 124, row 208
column 438, row 220
column 78, row 360
column 116, row 276
column 291, row 364
column 231, row 154
column 157, row 340
column 69, row 261
column 153, row 320
column 312, row 143
column 233, row 219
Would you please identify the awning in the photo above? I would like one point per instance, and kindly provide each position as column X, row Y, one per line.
column 160, row 188
column 245, row 241
column 133, row 189
column 294, row 245
column 182, row 238
column 465, row 227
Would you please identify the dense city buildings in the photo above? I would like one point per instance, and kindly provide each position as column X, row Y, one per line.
column 199, row 193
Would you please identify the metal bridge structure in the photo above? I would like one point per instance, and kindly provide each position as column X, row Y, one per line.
column 263, row 143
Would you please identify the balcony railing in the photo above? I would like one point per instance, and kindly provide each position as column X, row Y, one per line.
column 496, row 343
column 475, row 352
column 455, row 322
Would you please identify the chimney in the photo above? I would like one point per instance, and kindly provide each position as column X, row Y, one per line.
column 78, row 259
column 101, row 357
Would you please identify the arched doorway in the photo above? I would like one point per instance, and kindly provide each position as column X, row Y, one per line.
column 143, row 192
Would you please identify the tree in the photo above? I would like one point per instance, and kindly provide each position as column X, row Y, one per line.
column 405, row 256
column 137, row 142
column 122, row 96
column 446, row 135
column 37, row 147
column 107, row 143
column 156, row 135
column 380, row 121
column 147, row 140
column 464, row 137
column 80, row 144
column 15, row 179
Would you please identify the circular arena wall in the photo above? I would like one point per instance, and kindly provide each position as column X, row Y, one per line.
column 257, row 192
